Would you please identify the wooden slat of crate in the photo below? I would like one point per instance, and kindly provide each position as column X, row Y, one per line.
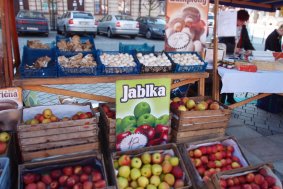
column 59, row 137
column 60, row 124
column 51, row 132
column 112, row 131
column 196, row 138
column 203, row 126
column 57, row 144
column 27, row 156
column 188, row 134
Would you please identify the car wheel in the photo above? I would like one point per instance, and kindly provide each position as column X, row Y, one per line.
column 148, row 34
column 109, row 33
column 133, row 36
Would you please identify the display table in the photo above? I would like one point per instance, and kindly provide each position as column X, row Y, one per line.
column 267, row 82
column 36, row 83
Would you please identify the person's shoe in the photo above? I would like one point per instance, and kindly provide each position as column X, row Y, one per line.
column 231, row 101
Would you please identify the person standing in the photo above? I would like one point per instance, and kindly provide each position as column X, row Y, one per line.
column 234, row 45
column 274, row 40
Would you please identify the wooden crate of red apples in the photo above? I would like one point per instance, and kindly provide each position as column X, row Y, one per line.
column 197, row 118
column 57, row 130
column 108, row 117
column 208, row 157
column 253, row 177
column 81, row 172
column 151, row 167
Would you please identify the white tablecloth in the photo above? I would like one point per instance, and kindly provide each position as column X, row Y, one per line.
column 234, row 81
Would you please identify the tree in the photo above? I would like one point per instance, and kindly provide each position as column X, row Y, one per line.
column 151, row 5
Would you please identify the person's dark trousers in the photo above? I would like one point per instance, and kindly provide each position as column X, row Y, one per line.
column 230, row 98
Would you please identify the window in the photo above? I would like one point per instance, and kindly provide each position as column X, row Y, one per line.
column 162, row 8
column 124, row 7
column 83, row 15
column 109, row 18
column 123, row 17
column 101, row 7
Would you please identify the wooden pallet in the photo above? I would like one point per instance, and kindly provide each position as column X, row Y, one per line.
column 58, row 138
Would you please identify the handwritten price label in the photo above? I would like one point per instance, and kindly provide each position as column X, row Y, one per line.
column 133, row 141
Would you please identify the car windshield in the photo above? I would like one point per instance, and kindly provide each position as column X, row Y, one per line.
column 28, row 14
column 123, row 17
column 82, row 15
column 156, row 21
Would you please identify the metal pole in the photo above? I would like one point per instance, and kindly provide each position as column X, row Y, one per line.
column 215, row 89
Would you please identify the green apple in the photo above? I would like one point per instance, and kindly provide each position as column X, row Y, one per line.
column 124, row 171
column 136, row 162
column 155, row 180
column 143, row 181
column 163, row 185
column 135, row 173
column 142, row 108
column 116, row 164
column 169, row 179
column 127, row 122
column 156, row 169
column 122, row 183
column 146, row 171
column 129, row 187
column 146, row 119
column 150, row 186
column 163, row 120
column 174, row 161
column 146, row 158
column 134, row 184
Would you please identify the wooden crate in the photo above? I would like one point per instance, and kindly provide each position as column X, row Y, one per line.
column 58, row 138
column 194, row 125
column 152, row 149
column 60, row 162
column 197, row 181
column 243, row 171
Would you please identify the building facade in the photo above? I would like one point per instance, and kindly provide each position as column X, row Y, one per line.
column 54, row 8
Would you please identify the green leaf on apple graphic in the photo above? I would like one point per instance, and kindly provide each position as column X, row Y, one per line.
column 146, row 119
column 118, row 122
column 142, row 108
column 163, row 120
column 127, row 122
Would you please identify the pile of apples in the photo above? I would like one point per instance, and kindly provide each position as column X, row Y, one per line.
column 110, row 113
column 47, row 116
column 209, row 160
column 77, row 177
column 253, row 180
column 149, row 171
column 187, row 104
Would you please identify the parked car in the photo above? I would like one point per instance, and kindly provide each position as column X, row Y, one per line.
column 118, row 25
column 210, row 19
column 152, row 27
column 31, row 22
column 76, row 22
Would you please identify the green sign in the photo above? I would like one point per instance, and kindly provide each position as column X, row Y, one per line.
column 142, row 113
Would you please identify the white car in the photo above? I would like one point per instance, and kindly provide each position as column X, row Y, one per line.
column 76, row 22
column 210, row 19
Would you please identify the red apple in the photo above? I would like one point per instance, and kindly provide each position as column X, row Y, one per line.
column 247, row 186
column 70, row 182
column 270, row 180
column 63, row 180
column 197, row 162
column 68, row 171
column 223, row 162
column 55, row 174
column 223, row 154
column 78, row 186
column 83, row 116
column 46, row 179
column 212, row 171
column 263, row 172
column 29, row 178
column 31, row 186
column 236, row 180
column 242, row 179
column 219, row 147
column 228, row 161
column 40, row 185
column 89, row 114
column 223, row 183
column 230, row 182
column 177, row 172
column 234, row 158
column 211, row 164
column 88, row 169
column 264, row 185
column 255, row 186
column 276, row 187
column 212, row 157
column 197, row 153
column 96, row 175
column 84, row 177
column 54, row 185
column 230, row 149
column 258, row 179
column 204, row 159
column 100, row 184
column 191, row 153
column 201, row 170
column 213, row 149
column 218, row 155
column 203, row 150
column 208, row 150
column 228, row 154
column 87, row 185
column 78, row 170
column 75, row 117
column 218, row 163
column 250, row 177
